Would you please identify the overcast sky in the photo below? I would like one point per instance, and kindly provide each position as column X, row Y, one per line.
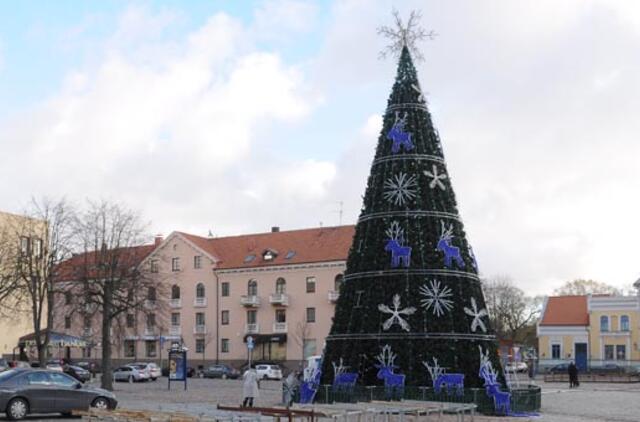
column 236, row 116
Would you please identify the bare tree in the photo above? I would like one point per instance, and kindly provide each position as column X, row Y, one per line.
column 511, row 312
column 45, row 237
column 111, row 238
column 300, row 335
column 582, row 287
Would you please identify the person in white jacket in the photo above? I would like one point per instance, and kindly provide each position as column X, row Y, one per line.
column 249, row 387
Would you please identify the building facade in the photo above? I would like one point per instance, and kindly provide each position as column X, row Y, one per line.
column 278, row 287
column 592, row 330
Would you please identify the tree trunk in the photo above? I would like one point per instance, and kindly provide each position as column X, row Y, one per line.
column 107, row 374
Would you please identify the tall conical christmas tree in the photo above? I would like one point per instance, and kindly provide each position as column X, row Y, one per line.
column 411, row 287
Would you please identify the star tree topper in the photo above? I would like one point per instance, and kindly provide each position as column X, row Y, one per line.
column 405, row 35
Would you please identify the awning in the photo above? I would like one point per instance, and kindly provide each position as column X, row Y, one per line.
column 267, row 338
column 55, row 339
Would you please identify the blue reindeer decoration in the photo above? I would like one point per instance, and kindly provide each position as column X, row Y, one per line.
column 400, row 254
column 393, row 383
column 399, row 137
column 451, row 253
column 453, row 383
column 501, row 399
column 309, row 387
column 343, row 381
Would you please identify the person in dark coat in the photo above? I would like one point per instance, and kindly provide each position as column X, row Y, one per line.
column 573, row 375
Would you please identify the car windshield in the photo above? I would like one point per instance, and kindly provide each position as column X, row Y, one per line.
column 7, row 374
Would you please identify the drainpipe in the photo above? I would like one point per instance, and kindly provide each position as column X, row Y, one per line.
column 215, row 274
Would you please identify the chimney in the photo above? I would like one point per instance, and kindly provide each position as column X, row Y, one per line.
column 158, row 240
column 275, row 229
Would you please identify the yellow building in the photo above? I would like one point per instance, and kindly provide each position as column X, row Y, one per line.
column 14, row 324
column 592, row 330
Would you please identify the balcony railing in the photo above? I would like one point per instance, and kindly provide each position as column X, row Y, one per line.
column 175, row 330
column 200, row 302
column 252, row 328
column 279, row 327
column 333, row 295
column 250, row 300
column 175, row 303
column 200, row 329
column 281, row 299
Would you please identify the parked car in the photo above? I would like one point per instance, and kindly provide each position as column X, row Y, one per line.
column 191, row 372
column 24, row 391
column 150, row 368
column 609, row 368
column 4, row 365
column 271, row 372
column 130, row 374
column 221, row 371
column 55, row 365
column 561, row 368
column 89, row 366
column 516, row 367
column 78, row 373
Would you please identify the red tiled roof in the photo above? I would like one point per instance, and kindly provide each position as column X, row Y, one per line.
column 309, row 245
column 566, row 310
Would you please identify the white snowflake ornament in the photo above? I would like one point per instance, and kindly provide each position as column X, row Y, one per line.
column 436, row 178
column 395, row 313
column 436, row 298
column 477, row 316
column 399, row 189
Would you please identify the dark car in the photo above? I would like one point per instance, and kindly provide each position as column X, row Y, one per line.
column 221, row 371
column 561, row 368
column 89, row 366
column 609, row 368
column 191, row 372
column 78, row 373
column 25, row 391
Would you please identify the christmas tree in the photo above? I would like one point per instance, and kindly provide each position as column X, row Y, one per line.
column 412, row 300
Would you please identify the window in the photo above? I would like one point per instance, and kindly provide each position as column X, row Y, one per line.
column 175, row 319
column 87, row 322
column 251, row 317
column 252, row 288
column 37, row 378
column 24, row 245
column 281, row 315
column 290, row 255
column 224, row 345
column 281, row 286
column 68, row 298
column 175, row 264
column 249, row 258
column 151, row 294
column 224, row 317
column 604, row 323
column 311, row 314
column 555, row 351
column 269, row 255
column 154, row 266
column 62, row 380
column 311, row 284
column 200, row 290
column 86, row 352
column 197, row 262
column 608, row 352
column 129, row 348
column 151, row 321
column 130, row 321
column 150, row 345
column 225, row 289
column 624, row 323
column 37, row 248
column 200, row 345
column 200, row 318
column 309, row 347
column 337, row 282
column 621, row 352
column 67, row 322
column 175, row 292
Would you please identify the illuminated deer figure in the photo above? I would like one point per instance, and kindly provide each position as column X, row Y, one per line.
column 399, row 137
column 450, row 252
column 501, row 399
column 400, row 255
column 343, row 380
column 392, row 382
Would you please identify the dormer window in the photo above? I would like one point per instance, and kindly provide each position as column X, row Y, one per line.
column 290, row 255
column 249, row 258
column 269, row 255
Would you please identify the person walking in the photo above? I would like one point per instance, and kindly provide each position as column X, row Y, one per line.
column 249, row 387
column 573, row 375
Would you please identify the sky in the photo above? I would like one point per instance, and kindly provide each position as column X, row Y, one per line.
column 233, row 117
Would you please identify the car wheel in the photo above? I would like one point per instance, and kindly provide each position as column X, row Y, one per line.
column 154, row 379
column 17, row 409
column 100, row 403
column 265, row 377
column 224, row 376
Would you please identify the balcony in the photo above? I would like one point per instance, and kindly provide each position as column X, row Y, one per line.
column 279, row 327
column 175, row 330
column 281, row 299
column 200, row 329
column 333, row 296
column 252, row 328
column 200, row 302
column 252, row 301
column 175, row 303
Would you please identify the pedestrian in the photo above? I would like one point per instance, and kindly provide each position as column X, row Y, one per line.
column 290, row 388
column 249, row 387
column 573, row 375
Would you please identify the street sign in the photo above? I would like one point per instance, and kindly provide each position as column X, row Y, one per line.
column 250, row 343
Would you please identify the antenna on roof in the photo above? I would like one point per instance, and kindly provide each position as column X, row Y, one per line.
column 340, row 212
column 321, row 224
column 210, row 235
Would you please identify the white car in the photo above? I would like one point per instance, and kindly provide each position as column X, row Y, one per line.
column 150, row 368
column 54, row 366
column 269, row 372
column 129, row 373
column 516, row 367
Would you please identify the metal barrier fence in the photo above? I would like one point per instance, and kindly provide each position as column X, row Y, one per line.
column 523, row 399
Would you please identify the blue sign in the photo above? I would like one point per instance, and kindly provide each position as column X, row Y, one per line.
column 177, row 365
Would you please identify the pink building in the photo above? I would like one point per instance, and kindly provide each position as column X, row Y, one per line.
column 278, row 287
